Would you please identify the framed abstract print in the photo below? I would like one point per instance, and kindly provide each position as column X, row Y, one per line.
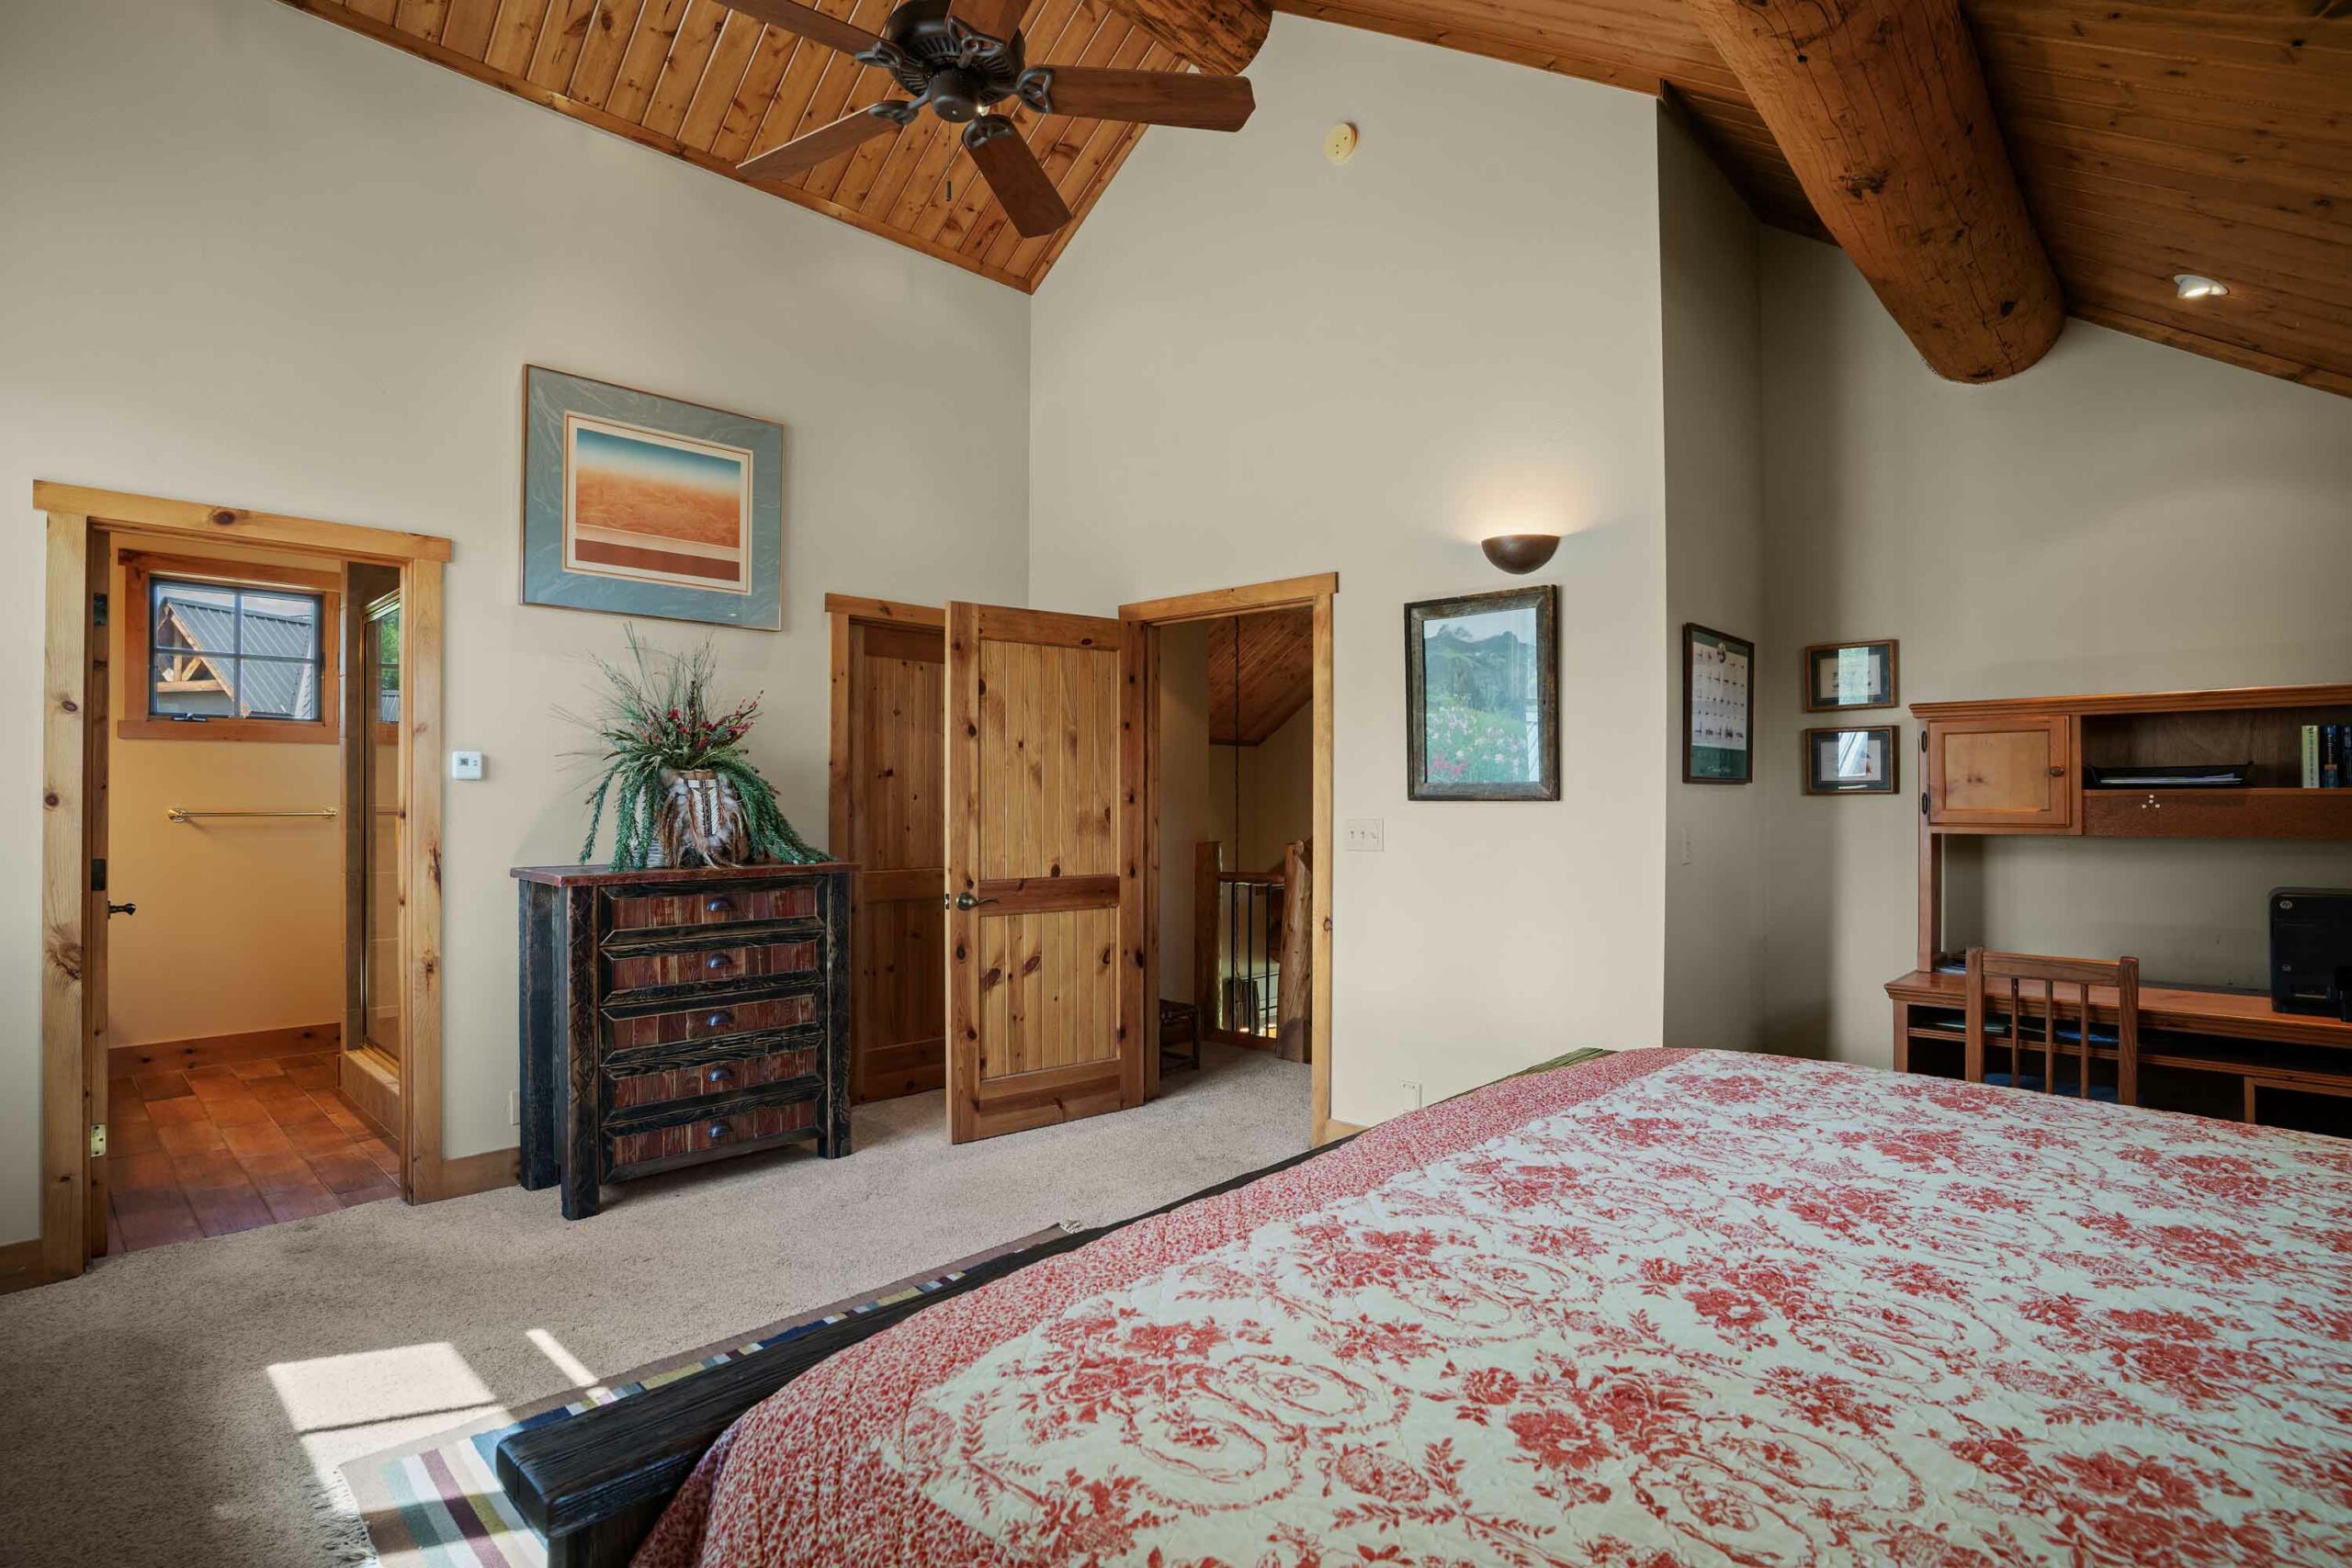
column 1840, row 675
column 1851, row 762
column 642, row 505
column 1718, row 706
column 1482, row 699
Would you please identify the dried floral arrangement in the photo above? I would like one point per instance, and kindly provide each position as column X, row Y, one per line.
column 679, row 786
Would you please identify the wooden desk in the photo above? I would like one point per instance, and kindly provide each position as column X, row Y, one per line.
column 2184, row 1028
column 2022, row 766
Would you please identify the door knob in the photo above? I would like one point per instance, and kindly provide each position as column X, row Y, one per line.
column 113, row 908
column 964, row 900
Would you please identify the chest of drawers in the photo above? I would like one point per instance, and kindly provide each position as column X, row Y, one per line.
column 670, row 1018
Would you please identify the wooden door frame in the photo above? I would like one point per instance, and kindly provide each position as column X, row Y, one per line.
column 1139, row 846
column 79, row 519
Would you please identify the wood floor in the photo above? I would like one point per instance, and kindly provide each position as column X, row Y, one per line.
column 211, row 1150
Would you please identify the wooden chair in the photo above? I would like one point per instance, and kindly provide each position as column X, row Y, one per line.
column 1180, row 1022
column 1987, row 970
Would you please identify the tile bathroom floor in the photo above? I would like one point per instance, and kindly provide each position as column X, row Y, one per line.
column 204, row 1151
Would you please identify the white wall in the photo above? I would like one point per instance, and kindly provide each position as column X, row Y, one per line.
column 1711, row 324
column 255, row 258
column 1277, row 793
column 2121, row 517
column 1251, row 365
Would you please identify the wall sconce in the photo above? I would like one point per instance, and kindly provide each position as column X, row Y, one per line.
column 1520, row 554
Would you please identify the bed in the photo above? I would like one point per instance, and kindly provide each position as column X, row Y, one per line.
column 1664, row 1307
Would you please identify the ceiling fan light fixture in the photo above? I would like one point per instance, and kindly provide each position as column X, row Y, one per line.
column 1520, row 554
column 2196, row 286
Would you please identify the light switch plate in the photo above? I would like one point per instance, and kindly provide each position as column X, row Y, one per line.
column 464, row 764
column 1363, row 833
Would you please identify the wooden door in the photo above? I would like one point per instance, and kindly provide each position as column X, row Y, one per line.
column 888, row 815
column 1036, row 1030
column 2001, row 773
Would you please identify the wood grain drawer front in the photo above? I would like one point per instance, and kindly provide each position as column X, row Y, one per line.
column 710, row 1022
column 2001, row 773
column 2218, row 813
column 702, row 966
column 702, row 1079
column 723, row 1130
column 711, row 907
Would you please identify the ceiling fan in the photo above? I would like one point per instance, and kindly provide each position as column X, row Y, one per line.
column 959, row 57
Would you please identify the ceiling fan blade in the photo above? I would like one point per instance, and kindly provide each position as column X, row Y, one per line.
column 1152, row 97
column 999, row 19
column 804, row 152
column 809, row 23
column 1015, row 175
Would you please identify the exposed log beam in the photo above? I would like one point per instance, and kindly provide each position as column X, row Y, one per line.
column 1881, row 106
column 1215, row 34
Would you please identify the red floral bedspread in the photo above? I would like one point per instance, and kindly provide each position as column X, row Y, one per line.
column 1667, row 1308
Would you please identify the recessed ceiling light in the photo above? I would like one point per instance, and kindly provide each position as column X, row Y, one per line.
column 2196, row 286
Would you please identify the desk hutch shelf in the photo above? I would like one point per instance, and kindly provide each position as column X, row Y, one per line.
column 2023, row 767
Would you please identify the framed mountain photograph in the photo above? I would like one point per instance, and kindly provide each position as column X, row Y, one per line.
column 1482, row 697
column 644, row 505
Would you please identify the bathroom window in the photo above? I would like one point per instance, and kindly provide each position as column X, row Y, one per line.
column 228, row 650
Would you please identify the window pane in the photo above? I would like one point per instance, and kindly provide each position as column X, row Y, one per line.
column 192, row 615
column 277, row 688
column 279, row 625
column 185, row 683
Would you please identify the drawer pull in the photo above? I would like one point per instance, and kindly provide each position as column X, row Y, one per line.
column 720, row 960
column 717, row 1132
column 720, row 1075
column 719, row 906
column 718, row 1020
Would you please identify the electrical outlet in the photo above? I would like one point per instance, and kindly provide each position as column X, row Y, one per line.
column 1363, row 833
column 1412, row 1092
column 514, row 1109
column 464, row 764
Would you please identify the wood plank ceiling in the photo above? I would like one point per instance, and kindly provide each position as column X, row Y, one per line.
column 696, row 80
column 1276, row 666
column 2152, row 137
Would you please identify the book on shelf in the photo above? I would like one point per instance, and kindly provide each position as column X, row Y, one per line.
column 2332, row 772
column 2311, row 756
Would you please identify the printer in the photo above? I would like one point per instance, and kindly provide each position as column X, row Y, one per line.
column 2311, row 950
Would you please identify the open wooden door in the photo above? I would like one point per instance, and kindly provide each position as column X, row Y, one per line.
column 1036, row 1030
column 885, row 813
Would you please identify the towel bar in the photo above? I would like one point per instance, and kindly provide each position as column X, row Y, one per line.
column 182, row 814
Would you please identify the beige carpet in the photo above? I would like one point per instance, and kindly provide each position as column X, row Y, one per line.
column 189, row 1404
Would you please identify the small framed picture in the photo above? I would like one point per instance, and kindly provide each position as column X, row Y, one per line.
column 1851, row 762
column 1718, row 706
column 1840, row 675
column 1482, row 701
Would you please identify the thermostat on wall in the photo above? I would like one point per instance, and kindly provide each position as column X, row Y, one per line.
column 464, row 764
column 1340, row 143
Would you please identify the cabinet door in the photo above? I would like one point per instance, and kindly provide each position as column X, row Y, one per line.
column 2001, row 773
